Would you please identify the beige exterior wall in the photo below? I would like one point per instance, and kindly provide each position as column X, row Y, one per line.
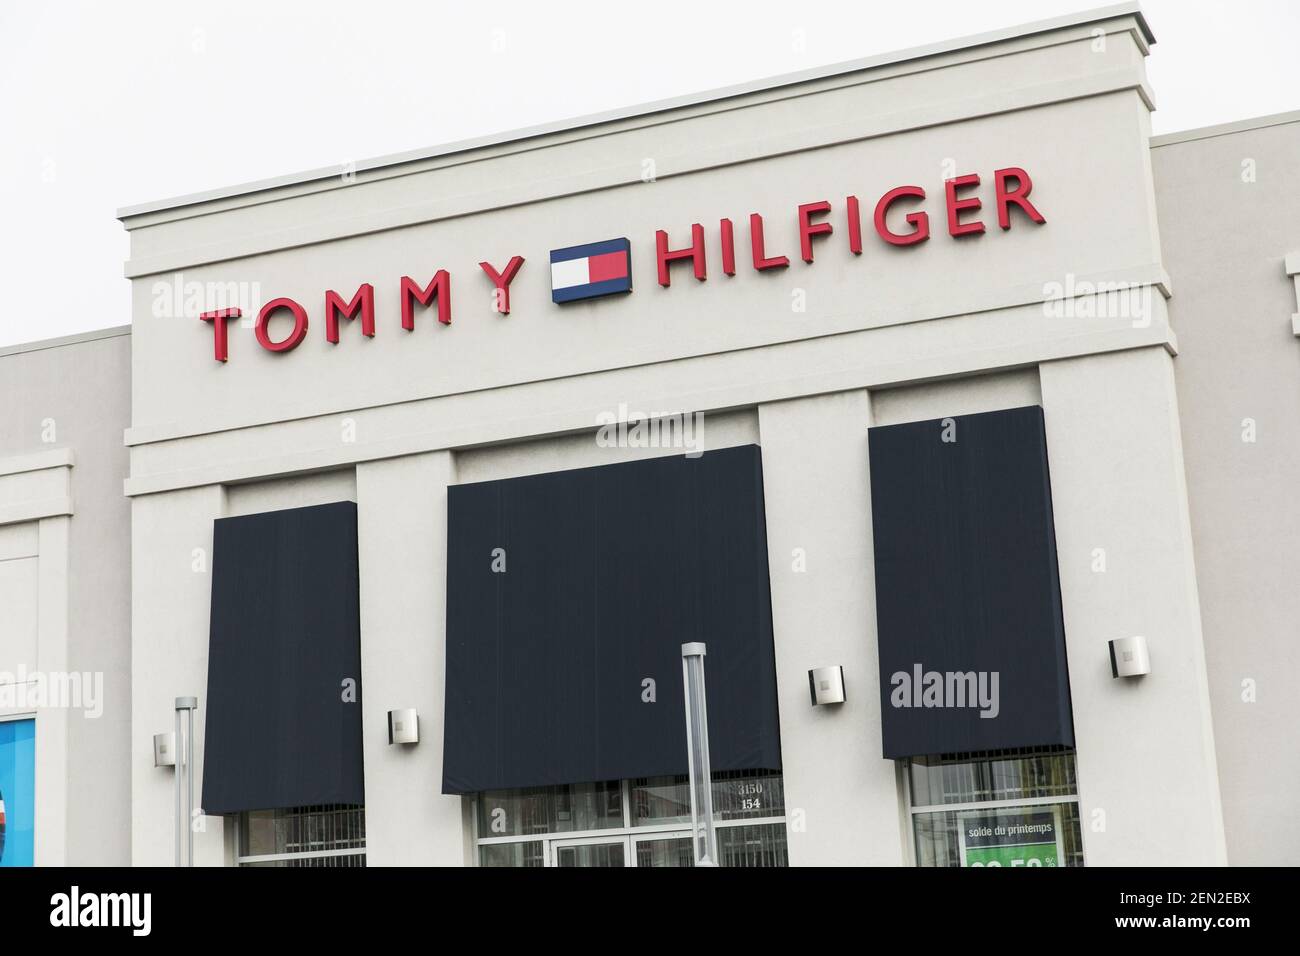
column 1229, row 203
column 65, row 582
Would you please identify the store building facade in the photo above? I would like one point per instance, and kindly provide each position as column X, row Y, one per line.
column 873, row 368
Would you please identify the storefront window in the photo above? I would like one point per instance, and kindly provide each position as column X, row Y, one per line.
column 521, row 812
column 669, row 851
column 737, row 796
column 1004, row 808
column 639, row 822
column 752, row 846
column 331, row 836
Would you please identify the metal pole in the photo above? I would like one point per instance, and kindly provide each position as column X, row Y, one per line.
column 179, row 755
column 189, row 790
column 184, row 831
column 703, row 836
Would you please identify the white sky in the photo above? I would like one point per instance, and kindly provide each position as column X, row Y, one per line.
column 104, row 105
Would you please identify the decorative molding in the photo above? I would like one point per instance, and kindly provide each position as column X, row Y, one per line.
column 36, row 485
column 945, row 304
column 36, row 461
column 64, row 340
column 719, row 382
column 1225, row 129
column 35, row 510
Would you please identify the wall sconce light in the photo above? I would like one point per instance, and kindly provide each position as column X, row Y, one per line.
column 826, row 685
column 164, row 750
column 1129, row 657
column 403, row 726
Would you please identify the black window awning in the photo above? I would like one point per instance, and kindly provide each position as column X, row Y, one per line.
column 283, row 725
column 967, row 586
column 569, row 596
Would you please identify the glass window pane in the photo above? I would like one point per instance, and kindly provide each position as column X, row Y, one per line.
column 752, row 845
column 660, row 800
column 748, row 795
column 670, row 851
column 992, row 839
column 1038, row 835
column 740, row 795
column 511, row 854
column 590, row 854
column 559, row 809
column 302, row 830
column 1000, row 775
column 258, row 834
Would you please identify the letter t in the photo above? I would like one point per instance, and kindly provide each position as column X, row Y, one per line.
column 219, row 318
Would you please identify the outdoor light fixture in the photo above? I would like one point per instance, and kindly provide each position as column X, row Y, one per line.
column 164, row 750
column 826, row 685
column 403, row 726
column 1129, row 657
column 704, row 840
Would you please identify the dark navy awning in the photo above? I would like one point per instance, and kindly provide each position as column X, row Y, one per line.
column 569, row 596
column 968, row 602
column 283, row 710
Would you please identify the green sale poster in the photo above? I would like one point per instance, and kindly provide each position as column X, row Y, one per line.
column 1014, row 838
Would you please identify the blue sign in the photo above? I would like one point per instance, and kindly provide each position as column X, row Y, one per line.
column 17, row 791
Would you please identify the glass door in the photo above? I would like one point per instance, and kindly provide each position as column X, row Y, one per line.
column 651, row 849
column 591, row 851
column 663, row 849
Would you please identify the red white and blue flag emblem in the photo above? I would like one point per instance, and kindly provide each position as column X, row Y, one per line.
column 596, row 269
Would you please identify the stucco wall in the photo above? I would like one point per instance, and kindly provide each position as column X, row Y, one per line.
column 1229, row 202
column 65, row 526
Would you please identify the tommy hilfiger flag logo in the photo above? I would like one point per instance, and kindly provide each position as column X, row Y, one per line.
column 586, row 272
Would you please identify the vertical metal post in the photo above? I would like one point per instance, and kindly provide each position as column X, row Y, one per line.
column 703, row 836
column 178, row 754
column 185, row 788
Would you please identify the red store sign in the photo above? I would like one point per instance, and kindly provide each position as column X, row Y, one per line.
column 899, row 218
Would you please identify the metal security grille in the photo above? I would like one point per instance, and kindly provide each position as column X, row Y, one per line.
column 994, row 754
column 331, row 835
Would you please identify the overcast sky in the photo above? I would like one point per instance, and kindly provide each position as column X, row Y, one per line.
column 104, row 105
